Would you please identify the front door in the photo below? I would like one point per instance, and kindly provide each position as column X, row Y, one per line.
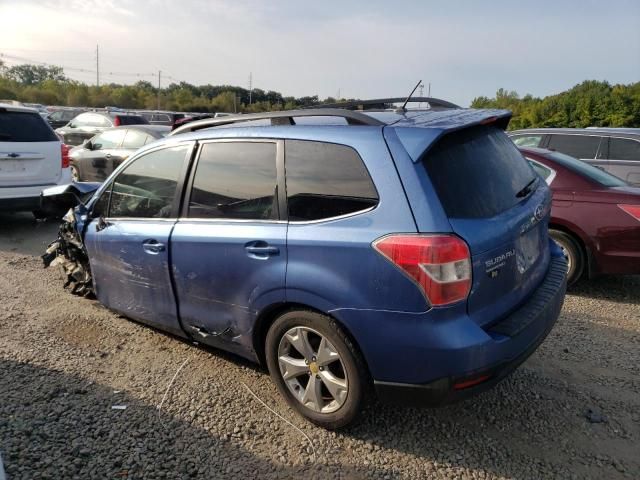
column 128, row 238
column 97, row 163
column 229, row 249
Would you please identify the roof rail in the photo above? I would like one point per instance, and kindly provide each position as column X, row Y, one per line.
column 380, row 103
column 285, row 117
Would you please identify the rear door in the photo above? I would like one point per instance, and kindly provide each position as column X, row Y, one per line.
column 229, row 250
column 581, row 146
column 29, row 150
column 500, row 207
column 128, row 238
column 624, row 159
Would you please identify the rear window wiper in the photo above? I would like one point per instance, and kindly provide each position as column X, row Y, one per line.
column 528, row 188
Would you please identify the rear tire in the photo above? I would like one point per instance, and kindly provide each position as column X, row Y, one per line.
column 328, row 385
column 573, row 254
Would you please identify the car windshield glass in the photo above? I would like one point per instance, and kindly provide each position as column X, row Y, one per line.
column 583, row 168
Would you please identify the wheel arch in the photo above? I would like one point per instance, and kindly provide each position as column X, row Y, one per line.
column 580, row 241
column 269, row 314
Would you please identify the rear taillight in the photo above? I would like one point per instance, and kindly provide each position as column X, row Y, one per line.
column 633, row 210
column 116, row 122
column 64, row 151
column 439, row 264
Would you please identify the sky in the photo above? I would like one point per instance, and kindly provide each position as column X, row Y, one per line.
column 360, row 49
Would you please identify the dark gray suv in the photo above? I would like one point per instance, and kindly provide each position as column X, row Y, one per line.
column 615, row 150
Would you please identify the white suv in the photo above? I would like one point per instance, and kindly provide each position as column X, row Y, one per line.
column 32, row 158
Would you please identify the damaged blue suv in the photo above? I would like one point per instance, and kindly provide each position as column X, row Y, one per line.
column 399, row 253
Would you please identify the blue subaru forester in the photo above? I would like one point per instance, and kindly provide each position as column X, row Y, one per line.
column 401, row 253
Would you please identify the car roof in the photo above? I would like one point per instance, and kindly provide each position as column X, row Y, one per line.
column 416, row 129
column 17, row 108
column 623, row 132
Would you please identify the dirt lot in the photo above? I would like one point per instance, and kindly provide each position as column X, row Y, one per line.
column 571, row 411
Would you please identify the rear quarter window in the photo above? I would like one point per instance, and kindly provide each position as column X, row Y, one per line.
column 325, row 180
column 477, row 172
column 24, row 127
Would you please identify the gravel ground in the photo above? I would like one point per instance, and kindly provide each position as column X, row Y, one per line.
column 571, row 411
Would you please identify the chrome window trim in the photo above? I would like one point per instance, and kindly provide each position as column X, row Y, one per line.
column 226, row 220
column 551, row 176
column 338, row 217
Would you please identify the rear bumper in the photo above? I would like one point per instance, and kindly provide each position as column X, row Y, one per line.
column 418, row 358
column 541, row 311
column 25, row 198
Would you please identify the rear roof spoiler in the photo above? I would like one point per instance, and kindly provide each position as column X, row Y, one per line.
column 419, row 133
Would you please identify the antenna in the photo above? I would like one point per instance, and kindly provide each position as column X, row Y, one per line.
column 404, row 105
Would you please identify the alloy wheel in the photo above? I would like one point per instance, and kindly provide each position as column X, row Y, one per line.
column 312, row 370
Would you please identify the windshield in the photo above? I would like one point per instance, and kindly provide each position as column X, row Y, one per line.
column 583, row 168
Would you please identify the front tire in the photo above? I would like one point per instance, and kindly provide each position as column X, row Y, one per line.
column 317, row 369
column 572, row 253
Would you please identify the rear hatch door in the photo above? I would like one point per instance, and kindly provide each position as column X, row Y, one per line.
column 500, row 207
column 30, row 151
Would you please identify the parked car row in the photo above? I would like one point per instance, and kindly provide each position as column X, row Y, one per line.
column 295, row 244
column 616, row 151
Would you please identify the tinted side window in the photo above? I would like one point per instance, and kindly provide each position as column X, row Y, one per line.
column 147, row 187
column 578, row 146
column 235, row 180
column 108, row 139
column 134, row 139
column 131, row 120
column 24, row 127
column 527, row 141
column 624, row 149
column 325, row 180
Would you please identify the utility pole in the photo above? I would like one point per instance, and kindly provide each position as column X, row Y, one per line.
column 97, row 66
column 338, row 97
column 429, row 91
column 421, row 87
column 159, row 76
column 250, row 86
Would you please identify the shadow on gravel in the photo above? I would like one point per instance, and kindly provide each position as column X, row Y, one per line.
column 58, row 426
column 22, row 233
column 620, row 289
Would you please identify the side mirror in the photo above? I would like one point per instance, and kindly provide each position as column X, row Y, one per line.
column 87, row 144
column 71, row 125
column 102, row 224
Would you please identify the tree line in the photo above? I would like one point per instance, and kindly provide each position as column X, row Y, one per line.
column 49, row 86
column 590, row 103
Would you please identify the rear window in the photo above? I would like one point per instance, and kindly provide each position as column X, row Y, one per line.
column 24, row 127
column 592, row 173
column 477, row 172
column 132, row 120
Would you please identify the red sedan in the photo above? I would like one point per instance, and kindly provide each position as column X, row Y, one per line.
column 595, row 217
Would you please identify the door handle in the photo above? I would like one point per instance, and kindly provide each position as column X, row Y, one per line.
column 152, row 247
column 260, row 250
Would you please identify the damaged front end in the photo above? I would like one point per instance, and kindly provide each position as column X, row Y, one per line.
column 67, row 252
